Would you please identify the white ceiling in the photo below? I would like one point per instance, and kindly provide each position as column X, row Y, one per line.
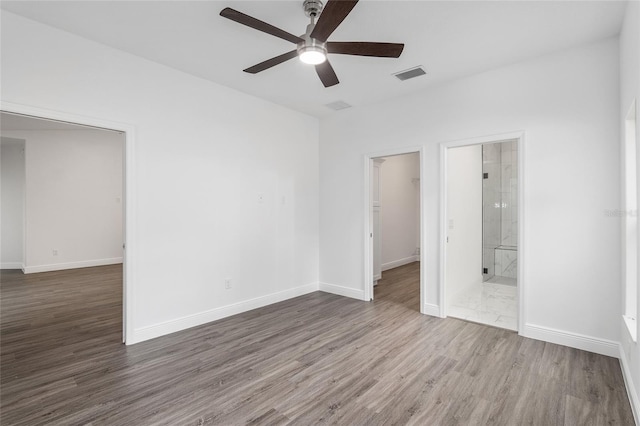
column 451, row 39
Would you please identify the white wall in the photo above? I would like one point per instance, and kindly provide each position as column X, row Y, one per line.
column 568, row 105
column 629, row 90
column 203, row 155
column 400, row 209
column 73, row 198
column 12, row 175
column 464, row 219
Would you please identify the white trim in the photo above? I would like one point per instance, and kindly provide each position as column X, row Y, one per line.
column 11, row 265
column 632, row 327
column 629, row 244
column 484, row 139
column 431, row 309
column 444, row 184
column 129, row 130
column 572, row 340
column 400, row 262
column 368, row 244
column 343, row 291
column 72, row 265
column 522, row 248
column 519, row 136
column 424, row 242
column 369, row 277
column 149, row 332
column 632, row 392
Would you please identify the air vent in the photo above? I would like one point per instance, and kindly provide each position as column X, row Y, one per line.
column 338, row 105
column 410, row 73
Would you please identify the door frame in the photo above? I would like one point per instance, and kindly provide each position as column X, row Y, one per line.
column 129, row 222
column 519, row 137
column 368, row 219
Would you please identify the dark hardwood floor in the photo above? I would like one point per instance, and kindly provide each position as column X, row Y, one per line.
column 318, row 358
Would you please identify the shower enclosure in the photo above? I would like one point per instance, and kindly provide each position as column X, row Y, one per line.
column 500, row 212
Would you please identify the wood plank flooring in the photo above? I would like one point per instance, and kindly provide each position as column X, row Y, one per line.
column 400, row 285
column 315, row 359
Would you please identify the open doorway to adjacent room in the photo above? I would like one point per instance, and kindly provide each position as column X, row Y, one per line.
column 395, row 205
column 63, row 213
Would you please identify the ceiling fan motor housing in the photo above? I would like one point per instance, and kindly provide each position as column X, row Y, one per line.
column 312, row 45
column 312, row 8
column 310, row 50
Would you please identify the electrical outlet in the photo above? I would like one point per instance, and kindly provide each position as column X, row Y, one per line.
column 227, row 283
column 55, row 252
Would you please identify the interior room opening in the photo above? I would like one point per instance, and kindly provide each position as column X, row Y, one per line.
column 396, row 229
column 63, row 204
column 482, row 233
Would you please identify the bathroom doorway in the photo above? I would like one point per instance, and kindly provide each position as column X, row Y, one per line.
column 482, row 233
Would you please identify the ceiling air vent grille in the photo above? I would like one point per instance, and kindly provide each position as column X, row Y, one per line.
column 410, row 73
column 338, row 105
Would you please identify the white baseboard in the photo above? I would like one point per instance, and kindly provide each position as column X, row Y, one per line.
column 11, row 265
column 631, row 389
column 179, row 324
column 572, row 340
column 399, row 262
column 431, row 309
column 72, row 265
column 342, row 291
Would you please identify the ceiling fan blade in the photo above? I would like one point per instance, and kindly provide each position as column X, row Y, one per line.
column 257, row 24
column 364, row 48
column 332, row 15
column 271, row 62
column 327, row 74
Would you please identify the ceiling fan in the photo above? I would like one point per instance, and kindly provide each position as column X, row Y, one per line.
column 312, row 46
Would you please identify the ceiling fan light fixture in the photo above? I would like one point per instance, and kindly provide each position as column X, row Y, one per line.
column 312, row 46
column 312, row 55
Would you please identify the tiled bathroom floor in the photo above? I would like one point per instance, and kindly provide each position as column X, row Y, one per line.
column 494, row 302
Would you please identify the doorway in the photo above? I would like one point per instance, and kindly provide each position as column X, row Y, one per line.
column 482, row 232
column 393, row 223
column 51, row 197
